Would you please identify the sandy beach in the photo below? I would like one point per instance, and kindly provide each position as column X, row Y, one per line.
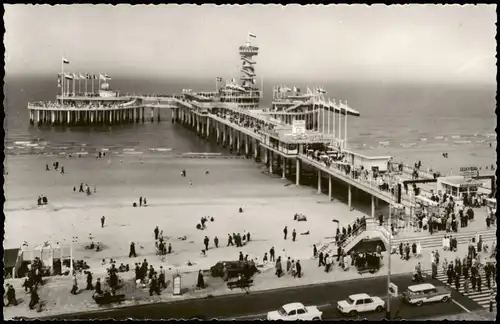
column 269, row 204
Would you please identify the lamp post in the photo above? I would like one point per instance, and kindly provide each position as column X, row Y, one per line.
column 74, row 239
column 388, row 308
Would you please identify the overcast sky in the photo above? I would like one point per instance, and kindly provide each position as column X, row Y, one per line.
column 357, row 42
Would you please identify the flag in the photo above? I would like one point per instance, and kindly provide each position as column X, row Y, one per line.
column 252, row 35
column 321, row 90
column 296, row 90
column 287, row 89
column 75, row 76
column 65, row 61
column 82, row 77
column 335, row 221
column 95, row 77
column 68, row 76
column 107, row 77
column 102, row 77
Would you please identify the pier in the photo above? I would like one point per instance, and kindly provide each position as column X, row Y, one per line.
column 301, row 129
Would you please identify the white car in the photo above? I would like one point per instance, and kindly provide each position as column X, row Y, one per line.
column 360, row 303
column 295, row 312
column 426, row 293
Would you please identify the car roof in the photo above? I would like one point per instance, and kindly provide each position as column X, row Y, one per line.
column 292, row 306
column 359, row 296
column 420, row 287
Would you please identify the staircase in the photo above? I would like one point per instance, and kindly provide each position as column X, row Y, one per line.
column 436, row 240
column 330, row 247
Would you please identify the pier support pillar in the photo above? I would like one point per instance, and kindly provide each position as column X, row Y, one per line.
column 283, row 169
column 349, row 195
column 297, row 172
column 373, row 206
column 158, row 117
column 31, row 117
column 230, row 138
column 319, row 181
column 255, row 150
column 111, row 117
column 91, row 117
column 208, row 127
column 38, row 117
column 266, row 156
column 330, row 187
column 69, row 117
column 53, row 117
column 142, row 114
column 238, row 144
column 247, row 149
column 376, row 201
column 271, row 162
column 152, row 114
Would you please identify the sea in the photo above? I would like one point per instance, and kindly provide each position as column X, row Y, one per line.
column 394, row 118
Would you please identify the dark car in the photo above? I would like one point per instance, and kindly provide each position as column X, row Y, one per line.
column 233, row 269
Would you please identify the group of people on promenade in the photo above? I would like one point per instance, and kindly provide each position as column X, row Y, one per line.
column 472, row 267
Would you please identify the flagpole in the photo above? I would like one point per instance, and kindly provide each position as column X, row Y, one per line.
column 262, row 87
column 62, row 82
column 334, row 112
column 86, row 78
column 217, row 84
column 340, row 120
column 99, row 82
column 328, row 118
column 323, row 115
column 345, row 126
column 79, row 84
column 93, row 78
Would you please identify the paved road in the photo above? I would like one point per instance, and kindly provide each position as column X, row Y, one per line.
column 256, row 304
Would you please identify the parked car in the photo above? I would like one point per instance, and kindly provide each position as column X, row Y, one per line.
column 233, row 269
column 426, row 293
column 360, row 303
column 295, row 312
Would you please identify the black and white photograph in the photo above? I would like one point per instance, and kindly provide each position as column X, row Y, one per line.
column 250, row 162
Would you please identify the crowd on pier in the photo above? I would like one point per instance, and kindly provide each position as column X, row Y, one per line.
column 80, row 104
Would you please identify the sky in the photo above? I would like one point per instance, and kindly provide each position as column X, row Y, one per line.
column 425, row 43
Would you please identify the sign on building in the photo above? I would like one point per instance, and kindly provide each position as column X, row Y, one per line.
column 299, row 127
column 469, row 172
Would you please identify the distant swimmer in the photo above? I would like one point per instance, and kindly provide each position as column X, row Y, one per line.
column 47, row 166
column 183, row 173
column 207, row 172
column 190, row 183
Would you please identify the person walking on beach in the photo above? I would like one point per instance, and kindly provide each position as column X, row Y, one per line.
column 74, row 289
column 294, row 235
column 140, row 201
column 47, row 167
column 271, row 254
column 103, row 219
column 89, row 281
column 81, row 187
column 216, row 242
column 229, row 240
column 62, row 169
column 298, row 269
column 315, row 250
column 285, row 232
column 156, row 231
column 132, row 250
column 279, row 269
column 169, row 248
column 206, row 240
column 145, row 201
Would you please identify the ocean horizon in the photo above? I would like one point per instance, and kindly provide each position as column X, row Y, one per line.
column 394, row 117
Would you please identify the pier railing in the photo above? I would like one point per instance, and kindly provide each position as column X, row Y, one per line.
column 369, row 183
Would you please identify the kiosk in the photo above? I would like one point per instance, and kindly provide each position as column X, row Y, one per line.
column 458, row 186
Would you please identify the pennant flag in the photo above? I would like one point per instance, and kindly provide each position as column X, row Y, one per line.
column 82, row 77
column 69, row 76
column 65, row 61
column 321, row 90
column 75, row 76
column 89, row 77
column 335, row 221
column 107, row 77
column 102, row 77
column 252, row 35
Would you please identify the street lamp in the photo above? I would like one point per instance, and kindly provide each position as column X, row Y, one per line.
column 74, row 239
column 388, row 308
